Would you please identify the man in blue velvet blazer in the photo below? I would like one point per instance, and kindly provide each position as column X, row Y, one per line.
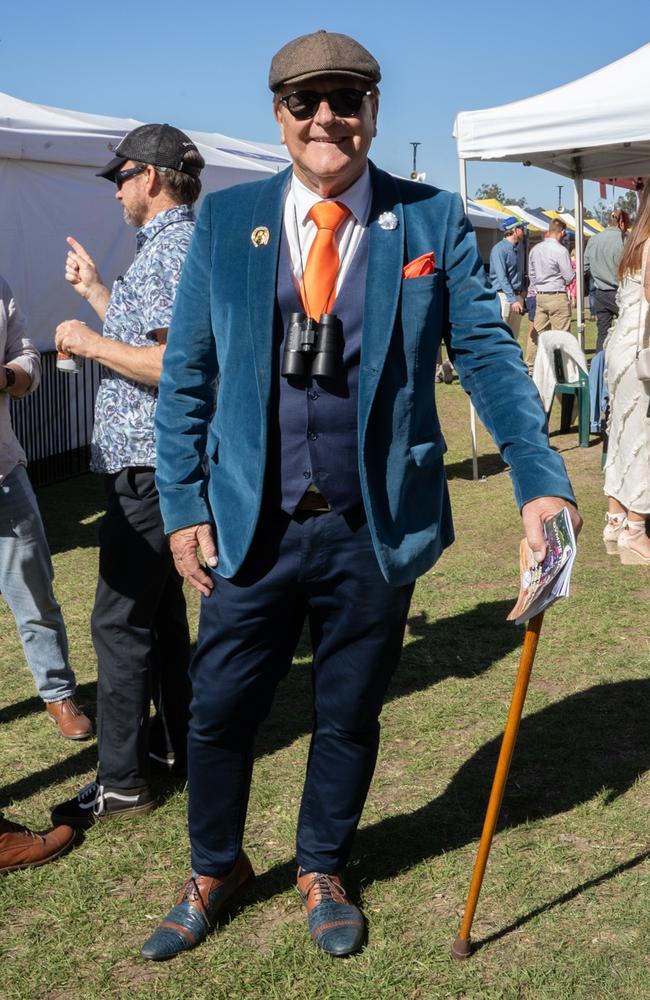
column 319, row 497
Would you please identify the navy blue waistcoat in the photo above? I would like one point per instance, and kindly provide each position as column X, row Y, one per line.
column 313, row 426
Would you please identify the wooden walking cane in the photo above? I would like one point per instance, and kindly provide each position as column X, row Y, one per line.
column 462, row 946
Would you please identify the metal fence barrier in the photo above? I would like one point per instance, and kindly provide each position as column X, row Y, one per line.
column 54, row 424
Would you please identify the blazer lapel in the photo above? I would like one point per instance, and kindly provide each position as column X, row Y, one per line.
column 383, row 285
column 267, row 215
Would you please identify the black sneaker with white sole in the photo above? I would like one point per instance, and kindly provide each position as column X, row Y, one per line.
column 96, row 802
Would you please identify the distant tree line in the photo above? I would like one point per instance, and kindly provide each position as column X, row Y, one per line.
column 496, row 191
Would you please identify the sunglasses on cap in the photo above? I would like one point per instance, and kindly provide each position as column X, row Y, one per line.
column 344, row 102
column 123, row 175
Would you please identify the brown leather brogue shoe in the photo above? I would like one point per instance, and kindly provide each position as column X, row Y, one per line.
column 201, row 902
column 20, row 848
column 335, row 924
column 72, row 722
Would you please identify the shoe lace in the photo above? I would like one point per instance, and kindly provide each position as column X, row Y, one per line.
column 88, row 791
column 6, row 826
column 190, row 893
column 327, row 888
column 93, row 791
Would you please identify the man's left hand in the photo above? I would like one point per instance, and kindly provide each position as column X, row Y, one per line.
column 533, row 515
column 74, row 337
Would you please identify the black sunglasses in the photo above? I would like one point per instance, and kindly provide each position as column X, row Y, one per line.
column 345, row 102
column 123, row 175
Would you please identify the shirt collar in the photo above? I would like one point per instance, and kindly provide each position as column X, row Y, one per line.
column 151, row 228
column 357, row 198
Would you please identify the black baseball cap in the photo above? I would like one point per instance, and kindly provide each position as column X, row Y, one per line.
column 159, row 145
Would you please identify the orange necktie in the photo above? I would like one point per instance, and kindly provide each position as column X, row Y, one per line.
column 318, row 288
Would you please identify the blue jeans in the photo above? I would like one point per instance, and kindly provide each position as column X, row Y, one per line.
column 26, row 584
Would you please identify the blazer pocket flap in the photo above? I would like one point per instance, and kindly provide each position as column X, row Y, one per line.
column 426, row 453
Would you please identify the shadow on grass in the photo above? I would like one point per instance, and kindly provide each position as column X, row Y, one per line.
column 566, row 897
column 592, row 742
column 163, row 784
column 66, row 506
column 85, row 696
column 463, row 645
column 488, row 465
column 31, row 784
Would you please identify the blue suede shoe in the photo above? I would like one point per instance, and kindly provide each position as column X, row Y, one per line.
column 200, row 904
column 335, row 924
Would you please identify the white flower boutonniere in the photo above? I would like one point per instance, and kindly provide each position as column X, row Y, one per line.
column 388, row 220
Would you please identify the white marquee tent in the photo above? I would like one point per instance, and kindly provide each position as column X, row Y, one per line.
column 48, row 190
column 596, row 126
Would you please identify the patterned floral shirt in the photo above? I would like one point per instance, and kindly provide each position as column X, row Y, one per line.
column 140, row 303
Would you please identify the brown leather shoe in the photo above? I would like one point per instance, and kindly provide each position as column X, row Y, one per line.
column 201, row 902
column 335, row 924
column 72, row 722
column 20, row 848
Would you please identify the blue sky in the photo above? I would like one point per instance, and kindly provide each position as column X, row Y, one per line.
column 204, row 65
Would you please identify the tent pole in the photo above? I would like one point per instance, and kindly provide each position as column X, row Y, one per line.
column 463, row 181
column 580, row 256
column 472, row 412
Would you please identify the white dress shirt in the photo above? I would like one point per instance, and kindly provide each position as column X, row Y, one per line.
column 300, row 231
column 549, row 267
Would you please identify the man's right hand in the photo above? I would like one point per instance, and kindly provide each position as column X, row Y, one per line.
column 80, row 269
column 517, row 307
column 184, row 544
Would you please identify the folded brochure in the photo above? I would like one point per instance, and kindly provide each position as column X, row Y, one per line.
column 543, row 583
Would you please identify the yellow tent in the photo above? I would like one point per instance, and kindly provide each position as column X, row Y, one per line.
column 495, row 204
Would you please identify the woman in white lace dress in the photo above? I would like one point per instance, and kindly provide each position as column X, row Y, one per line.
column 627, row 471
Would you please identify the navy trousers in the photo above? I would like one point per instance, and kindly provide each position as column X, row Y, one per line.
column 323, row 568
column 606, row 313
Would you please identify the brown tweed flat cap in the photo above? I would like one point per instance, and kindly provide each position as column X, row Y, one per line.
column 319, row 53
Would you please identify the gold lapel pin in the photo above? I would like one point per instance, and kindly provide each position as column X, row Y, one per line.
column 260, row 236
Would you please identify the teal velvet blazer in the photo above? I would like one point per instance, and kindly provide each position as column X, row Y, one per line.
column 213, row 409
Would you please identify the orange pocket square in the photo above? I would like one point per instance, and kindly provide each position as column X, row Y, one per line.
column 426, row 264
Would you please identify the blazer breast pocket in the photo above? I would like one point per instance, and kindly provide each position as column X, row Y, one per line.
column 420, row 305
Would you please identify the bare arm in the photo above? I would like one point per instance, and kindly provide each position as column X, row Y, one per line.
column 19, row 353
column 141, row 364
column 22, row 384
column 81, row 272
column 646, row 282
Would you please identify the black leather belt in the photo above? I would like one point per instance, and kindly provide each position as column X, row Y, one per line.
column 558, row 292
column 314, row 503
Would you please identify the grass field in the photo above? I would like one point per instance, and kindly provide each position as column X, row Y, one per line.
column 564, row 911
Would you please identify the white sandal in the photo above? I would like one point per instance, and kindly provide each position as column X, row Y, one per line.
column 632, row 532
column 612, row 531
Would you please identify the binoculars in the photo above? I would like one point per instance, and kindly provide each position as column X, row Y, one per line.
column 311, row 349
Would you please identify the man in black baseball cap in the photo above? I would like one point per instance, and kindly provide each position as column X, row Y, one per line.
column 159, row 145
column 139, row 624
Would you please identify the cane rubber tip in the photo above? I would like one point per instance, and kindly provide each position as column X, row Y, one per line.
column 461, row 949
